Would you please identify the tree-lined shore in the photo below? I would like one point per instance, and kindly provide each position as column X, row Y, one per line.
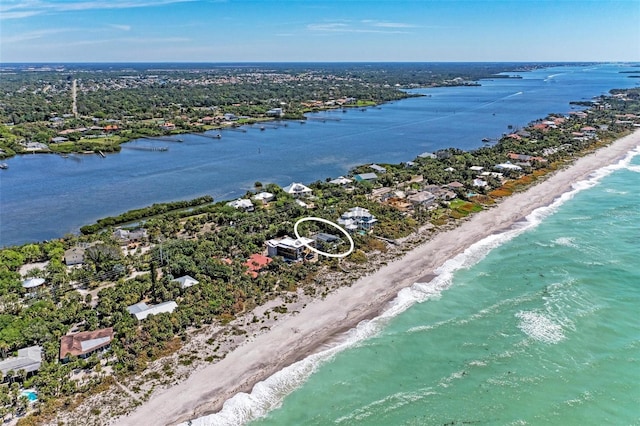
column 212, row 243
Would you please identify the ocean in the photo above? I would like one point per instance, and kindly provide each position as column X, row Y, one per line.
column 534, row 326
column 47, row 196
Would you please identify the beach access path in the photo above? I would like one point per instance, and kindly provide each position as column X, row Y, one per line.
column 323, row 321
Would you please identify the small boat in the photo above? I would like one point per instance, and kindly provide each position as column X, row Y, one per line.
column 4, row 166
column 486, row 140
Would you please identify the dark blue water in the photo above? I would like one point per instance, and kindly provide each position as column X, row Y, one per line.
column 46, row 196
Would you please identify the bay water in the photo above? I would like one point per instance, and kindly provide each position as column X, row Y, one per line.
column 46, row 196
column 537, row 325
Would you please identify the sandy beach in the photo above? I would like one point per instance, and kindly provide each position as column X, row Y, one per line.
column 319, row 324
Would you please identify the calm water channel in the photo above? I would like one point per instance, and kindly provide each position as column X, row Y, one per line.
column 46, row 196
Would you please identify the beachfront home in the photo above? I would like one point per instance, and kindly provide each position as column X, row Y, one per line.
column 288, row 248
column 480, row 183
column 256, row 263
column 185, row 281
column 357, row 218
column 297, row 190
column 141, row 310
column 507, row 166
column 422, row 198
column 28, row 359
column 85, row 343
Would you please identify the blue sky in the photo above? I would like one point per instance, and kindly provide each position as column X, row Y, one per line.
column 318, row 30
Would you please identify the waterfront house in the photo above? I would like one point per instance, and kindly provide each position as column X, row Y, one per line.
column 256, row 263
column 297, row 190
column 141, row 310
column 275, row 112
column 85, row 343
column 507, row 166
column 129, row 236
column 242, row 204
column 378, row 168
column 185, row 281
column 28, row 359
column 422, row 198
column 59, row 139
column 167, row 127
column 367, row 177
column 288, row 248
column 74, row 256
column 342, row 181
column 264, row 197
column 427, row 155
column 357, row 218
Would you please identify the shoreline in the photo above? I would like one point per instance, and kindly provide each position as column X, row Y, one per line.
column 324, row 321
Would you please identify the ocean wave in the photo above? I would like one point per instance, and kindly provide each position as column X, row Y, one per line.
column 269, row 394
column 385, row 405
column 540, row 327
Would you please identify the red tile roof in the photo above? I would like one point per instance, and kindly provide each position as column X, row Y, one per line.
column 72, row 344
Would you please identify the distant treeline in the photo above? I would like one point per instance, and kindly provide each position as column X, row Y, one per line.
column 146, row 212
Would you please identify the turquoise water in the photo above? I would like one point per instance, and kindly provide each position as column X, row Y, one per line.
column 536, row 326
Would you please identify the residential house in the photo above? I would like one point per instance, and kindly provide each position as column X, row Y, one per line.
column 141, row 310
column 507, row 166
column 128, row 236
column 264, row 197
column 28, row 359
column 342, row 181
column 275, row 112
column 242, row 204
column 378, row 168
column 256, row 263
column 85, row 343
column 357, row 218
column 297, row 190
column 480, row 183
column 422, row 198
column 167, row 126
column 287, row 247
column 367, row 177
column 185, row 281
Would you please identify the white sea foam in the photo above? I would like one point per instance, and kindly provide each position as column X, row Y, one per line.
column 269, row 394
column 540, row 327
column 385, row 405
column 565, row 241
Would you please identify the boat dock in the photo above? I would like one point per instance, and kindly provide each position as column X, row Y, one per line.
column 162, row 138
column 148, row 148
column 204, row 135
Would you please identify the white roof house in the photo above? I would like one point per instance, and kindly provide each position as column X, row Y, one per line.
column 297, row 190
column 141, row 310
column 507, row 166
column 341, row 181
column 288, row 247
column 357, row 218
column 366, row 176
column 32, row 282
column 480, row 183
column 186, row 281
column 28, row 359
column 242, row 204
column 378, row 168
column 476, row 168
column 264, row 197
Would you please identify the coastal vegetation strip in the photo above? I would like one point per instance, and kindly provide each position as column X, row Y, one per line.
column 97, row 280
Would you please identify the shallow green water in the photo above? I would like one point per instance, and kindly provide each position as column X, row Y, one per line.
column 543, row 330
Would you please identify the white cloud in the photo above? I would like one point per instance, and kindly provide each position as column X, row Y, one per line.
column 120, row 27
column 11, row 9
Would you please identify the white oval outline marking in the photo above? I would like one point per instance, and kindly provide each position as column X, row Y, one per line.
column 328, row 222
